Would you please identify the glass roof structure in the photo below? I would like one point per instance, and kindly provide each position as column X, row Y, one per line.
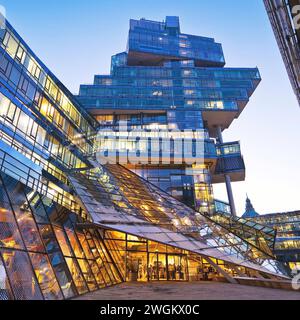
column 139, row 208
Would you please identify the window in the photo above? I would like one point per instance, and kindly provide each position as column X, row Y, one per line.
column 4, row 103
column 11, row 112
column 40, row 136
column 34, row 130
column 48, row 84
column 12, row 45
column 53, row 91
column 59, row 120
column 50, row 111
column 18, row 267
column 44, row 106
column 60, row 151
column 15, row 76
column 30, row 93
column 37, row 97
column 21, row 54
column 45, row 276
column 23, row 122
column 24, row 86
column 58, row 98
column 47, row 141
column 37, row 72
column 33, row 68
column 3, row 64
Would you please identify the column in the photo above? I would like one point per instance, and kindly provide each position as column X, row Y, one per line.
column 227, row 178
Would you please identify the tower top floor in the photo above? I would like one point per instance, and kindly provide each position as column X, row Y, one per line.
column 152, row 43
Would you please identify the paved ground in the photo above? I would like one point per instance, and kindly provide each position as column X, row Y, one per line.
column 189, row 291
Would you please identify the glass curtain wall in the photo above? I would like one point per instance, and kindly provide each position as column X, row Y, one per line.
column 43, row 254
column 145, row 260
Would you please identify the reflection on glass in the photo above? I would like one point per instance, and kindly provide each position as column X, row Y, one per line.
column 48, row 238
column 9, row 233
column 28, row 228
column 37, row 207
column 103, row 271
column 63, row 275
column 21, row 276
column 76, row 275
column 88, row 276
column 74, row 243
column 60, row 235
column 85, row 245
column 45, row 276
column 98, row 275
column 5, row 290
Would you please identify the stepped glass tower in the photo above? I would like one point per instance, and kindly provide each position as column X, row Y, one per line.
column 171, row 85
column 70, row 225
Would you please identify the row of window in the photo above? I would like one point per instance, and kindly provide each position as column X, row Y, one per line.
column 27, row 88
column 144, row 93
column 159, row 104
column 208, row 74
column 35, row 134
column 167, row 83
column 19, row 53
column 194, row 47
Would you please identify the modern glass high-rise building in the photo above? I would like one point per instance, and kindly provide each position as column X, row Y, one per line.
column 69, row 225
column 170, row 81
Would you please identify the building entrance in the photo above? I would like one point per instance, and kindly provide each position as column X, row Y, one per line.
column 167, row 267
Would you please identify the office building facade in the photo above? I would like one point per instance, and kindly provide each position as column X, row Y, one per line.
column 171, row 85
column 285, row 20
column 69, row 225
column 287, row 244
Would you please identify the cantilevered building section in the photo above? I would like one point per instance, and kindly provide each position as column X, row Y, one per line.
column 69, row 225
column 166, row 81
column 285, row 21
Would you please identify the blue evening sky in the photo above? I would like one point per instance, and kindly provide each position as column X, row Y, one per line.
column 76, row 39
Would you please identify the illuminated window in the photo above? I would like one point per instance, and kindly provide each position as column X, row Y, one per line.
column 190, row 102
column 21, row 54
column 60, row 235
column 157, row 93
column 12, row 45
column 189, row 92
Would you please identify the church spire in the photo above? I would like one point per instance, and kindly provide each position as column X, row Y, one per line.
column 250, row 211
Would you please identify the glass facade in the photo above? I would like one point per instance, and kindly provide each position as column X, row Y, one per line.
column 287, row 226
column 69, row 225
column 283, row 15
column 172, row 86
column 48, row 258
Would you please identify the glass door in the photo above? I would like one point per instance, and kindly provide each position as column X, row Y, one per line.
column 157, row 267
column 177, row 267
